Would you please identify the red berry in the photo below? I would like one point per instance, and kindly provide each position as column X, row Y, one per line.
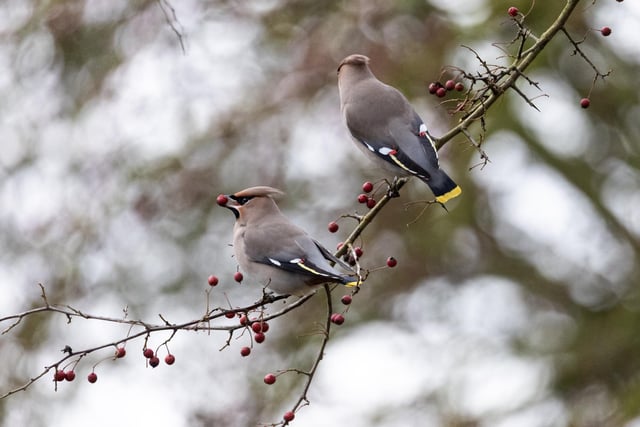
column 449, row 85
column 337, row 318
column 459, row 87
column 213, row 280
column 222, row 200
column 605, row 31
column 258, row 327
column 339, row 245
column 230, row 314
column 513, row 11
column 288, row 416
column 244, row 321
column 154, row 361
column 358, row 252
column 259, row 337
column 265, row 327
column 433, row 87
column 363, row 198
column 333, row 227
column 269, row 379
column 92, row 377
column 441, row 92
column 245, row 351
column 69, row 375
column 238, row 277
column 584, row 102
column 392, row 262
column 121, row 352
column 371, row 203
column 346, row 299
column 169, row 359
column 367, row 187
column 59, row 375
column 148, row 353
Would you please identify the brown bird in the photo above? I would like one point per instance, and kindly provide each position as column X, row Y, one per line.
column 280, row 255
column 385, row 126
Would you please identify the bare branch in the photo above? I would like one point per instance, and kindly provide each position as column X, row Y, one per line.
column 172, row 19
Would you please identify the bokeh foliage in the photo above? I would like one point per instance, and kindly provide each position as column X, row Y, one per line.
column 107, row 186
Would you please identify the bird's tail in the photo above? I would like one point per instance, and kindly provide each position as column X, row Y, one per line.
column 443, row 187
column 350, row 281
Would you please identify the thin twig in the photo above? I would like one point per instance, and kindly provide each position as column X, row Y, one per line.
column 303, row 400
column 172, row 19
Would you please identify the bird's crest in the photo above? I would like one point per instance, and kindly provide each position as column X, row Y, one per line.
column 260, row 191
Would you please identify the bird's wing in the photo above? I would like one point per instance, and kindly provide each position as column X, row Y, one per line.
column 385, row 124
column 402, row 149
column 414, row 142
column 287, row 247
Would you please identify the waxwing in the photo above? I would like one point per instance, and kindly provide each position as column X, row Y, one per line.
column 274, row 251
column 385, row 126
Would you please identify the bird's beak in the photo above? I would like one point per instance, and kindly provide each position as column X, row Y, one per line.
column 227, row 202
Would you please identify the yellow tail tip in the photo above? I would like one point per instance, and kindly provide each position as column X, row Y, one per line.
column 443, row 198
column 352, row 284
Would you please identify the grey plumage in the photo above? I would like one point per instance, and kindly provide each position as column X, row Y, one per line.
column 385, row 126
column 277, row 253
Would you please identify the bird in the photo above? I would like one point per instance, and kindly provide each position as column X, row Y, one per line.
column 385, row 126
column 276, row 252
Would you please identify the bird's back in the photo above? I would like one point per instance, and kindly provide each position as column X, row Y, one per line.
column 369, row 105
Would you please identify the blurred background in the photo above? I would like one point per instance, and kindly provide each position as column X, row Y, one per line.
column 518, row 307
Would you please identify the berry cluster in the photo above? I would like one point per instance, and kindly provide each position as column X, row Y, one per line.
column 154, row 360
column 353, row 256
column 337, row 318
column 365, row 198
column 62, row 375
column 258, row 327
column 120, row 352
column 440, row 90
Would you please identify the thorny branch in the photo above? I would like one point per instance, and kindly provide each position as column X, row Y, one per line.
column 578, row 51
column 498, row 80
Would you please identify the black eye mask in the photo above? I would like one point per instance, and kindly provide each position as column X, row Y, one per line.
column 241, row 200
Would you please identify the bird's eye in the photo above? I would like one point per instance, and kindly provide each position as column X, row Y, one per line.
column 242, row 200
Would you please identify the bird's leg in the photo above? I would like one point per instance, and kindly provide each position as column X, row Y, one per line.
column 269, row 297
column 392, row 190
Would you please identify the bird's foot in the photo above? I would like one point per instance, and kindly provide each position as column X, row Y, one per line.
column 392, row 187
